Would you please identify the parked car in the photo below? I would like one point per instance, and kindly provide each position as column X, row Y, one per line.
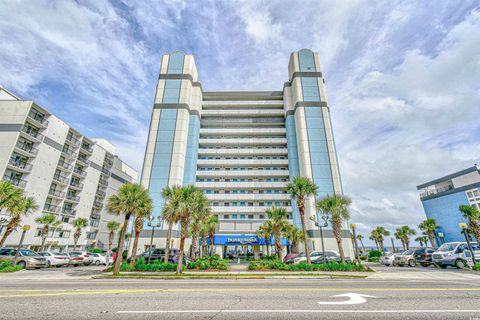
column 87, row 257
column 423, row 256
column 476, row 250
column 289, row 256
column 55, row 258
column 76, row 259
column 453, row 254
column 159, row 254
column 330, row 256
column 406, row 258
column 298, row 256
column 28, row 259
column 101, row 258
column 388, row 259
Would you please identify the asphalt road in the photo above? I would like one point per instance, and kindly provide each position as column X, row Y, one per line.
column 73, row 298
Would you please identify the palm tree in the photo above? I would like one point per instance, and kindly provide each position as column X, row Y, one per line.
column 378, row 233
column 336, row 207
column 211, row 224
column 191, row 202
column 170, row 214
column 56, row 225
column 47, row 220
column 422, row 240
column 472, row 214
column 278, row 220
column 197, row 220
column 300, row 188
column 112, row 226
column 265, row 232
column 429, row 226
column 360, row 238
column 16, row 208
column 131, row 199
column 294, row 236
column 78, row 225
column 144, row 210
column 374, row 238
column 403, row 234
column 9, row 195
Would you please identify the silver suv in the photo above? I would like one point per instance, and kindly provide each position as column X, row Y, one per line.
column 455, row 254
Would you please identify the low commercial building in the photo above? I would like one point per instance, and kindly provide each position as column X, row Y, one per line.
column 67, row 173
column 442, row 197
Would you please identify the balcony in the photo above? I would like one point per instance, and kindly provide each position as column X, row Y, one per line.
column 87, row 148
column 15, row 181
column 226, row 113
column 76, row 185
column 64, row 165
column 108, row 162
column 71, row 139
column 68, row 153
column 103, row 182
column 279, row 151
column 106, row 171
column 50, row 208
column 244, row 142
column 69, row 211
column 37, row 119
column 26, row 148
column 84, row 161
column 38, row 137
column 243, row 173
column 80, row 173
column 73, row 198
column 242, row 185
column 245, row 209
column 60, row 179
column 242, row 162
column 222, row 197
column 242, row 132
column 98, row 205
column 56, row 193
column 20, row 165
column 101, row 194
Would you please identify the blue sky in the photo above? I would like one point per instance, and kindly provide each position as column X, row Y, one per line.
column 402, row 76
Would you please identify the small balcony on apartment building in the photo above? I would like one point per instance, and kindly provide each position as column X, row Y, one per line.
column 108, row 162
column 100, row 193
column 73, row 140
column 72, row 196
column 54, row 192
column 68, row 210
column 31, row 133
column 75, row 184
column 51, row 208
column 15, row 179
column 60, row 178
column 86, row 147
column 97, row 204
column 37, row 118
column 68, row 152
column 103, row 182
column 79, row 172
column 83, row 159
column 19, row 163
column 26, row 148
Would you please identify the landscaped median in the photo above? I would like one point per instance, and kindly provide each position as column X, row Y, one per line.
column 303, row 266
column 7, row 266
column 209, row 263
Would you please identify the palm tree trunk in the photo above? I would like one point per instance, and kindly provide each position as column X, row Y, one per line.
column 183, row 235
column 134, row 249
column 110, row 240
column 44, row 238
column 204, row 246
column 278, row 244
column 337, row 231
column 118, row 262
column 167, row 244
column 211, row 235
column 363, row 247
column 294, row 248
column 376, row 244
column 380, row 244
column 433, row 241
column 407, row 244
column 194, row 244
column 304, row 228
column 12, row 224
column 475, row 229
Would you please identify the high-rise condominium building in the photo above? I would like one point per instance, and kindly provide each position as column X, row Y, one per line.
column 68, row 174
column 442, row 197
column 241, row 148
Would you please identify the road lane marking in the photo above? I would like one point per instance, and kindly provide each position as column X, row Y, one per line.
column 353, row 298
column 295, row 311
column 173, row 290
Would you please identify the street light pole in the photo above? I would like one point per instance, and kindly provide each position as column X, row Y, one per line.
column 320, row 227
column 25, row 228
column 150, row 224
column 463, row 226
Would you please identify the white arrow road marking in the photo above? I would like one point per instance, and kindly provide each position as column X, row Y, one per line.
column 355, row 298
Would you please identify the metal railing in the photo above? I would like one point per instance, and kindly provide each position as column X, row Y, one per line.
column 101, row 193
column 98, row 205
column 72, row 197
column 56, row 193
column 74, row 184
column 64, row 165
column 15, row 181
column 89, row 149
column 51, row 208
column 79, row 172
column 37, row 118
column 103, row 182
column 60, row 178
column 84, row 160
column 26, row 147
column 69, row 211
column 31, row 133
column 20, row 164
column 73, row 140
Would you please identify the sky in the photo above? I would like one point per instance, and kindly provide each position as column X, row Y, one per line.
column 402, row 77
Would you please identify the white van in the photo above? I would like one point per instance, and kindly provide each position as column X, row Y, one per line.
column 455, row 254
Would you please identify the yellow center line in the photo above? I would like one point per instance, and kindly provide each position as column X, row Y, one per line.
column 166, row 290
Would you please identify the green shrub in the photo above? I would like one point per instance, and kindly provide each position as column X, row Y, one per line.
column 363, row 258
column 7, row 266
column 270, row 257
column 209, row 263
column 476, row 267
column 96, row 250
column 375, row 254
column 156, row 265
column 303, row 266
column 373, row 259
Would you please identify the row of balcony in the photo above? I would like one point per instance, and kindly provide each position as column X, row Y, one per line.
column 38, row 137
column 21, row 165
column 21, row 183
column 28, row 148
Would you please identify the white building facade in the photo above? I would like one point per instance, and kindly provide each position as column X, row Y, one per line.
column 241, row 148
column 68, row 174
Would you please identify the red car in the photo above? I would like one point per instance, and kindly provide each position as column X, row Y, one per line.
column 290, row 256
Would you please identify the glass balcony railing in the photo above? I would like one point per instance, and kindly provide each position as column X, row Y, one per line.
column 64, row 165
column 60, row 178
column 56, row 193
column 73, row 140
column 80, row 172
column 69, row 211
column 26, row 147
column 20, row 164
column 15, row 181
column 85, row 161
column 75, row 184
column 87, row 148
column 32, row 133
column 73, row 197
column 51, row 208
column 37, row 118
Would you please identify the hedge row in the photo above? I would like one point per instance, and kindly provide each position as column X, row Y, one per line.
column 7, row 266
column 303, row 266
